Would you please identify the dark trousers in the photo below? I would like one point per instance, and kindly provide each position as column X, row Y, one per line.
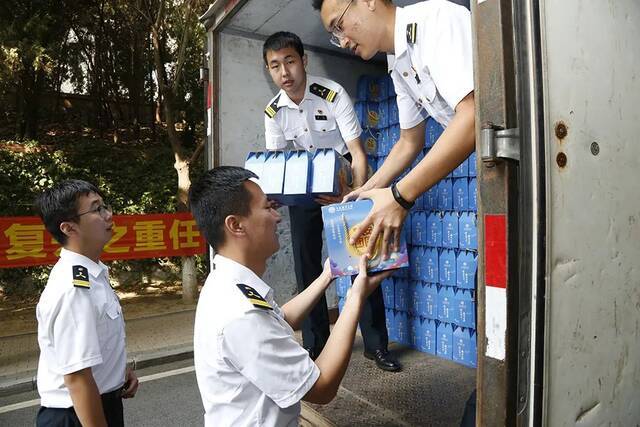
column 66, row 417
column 306, row 237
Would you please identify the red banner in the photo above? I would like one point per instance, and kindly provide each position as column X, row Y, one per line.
column 24, row 241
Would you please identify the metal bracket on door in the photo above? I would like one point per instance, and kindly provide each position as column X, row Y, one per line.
column 498, row 144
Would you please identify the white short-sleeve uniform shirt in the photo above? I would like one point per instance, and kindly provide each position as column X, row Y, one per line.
column 325, row 118
column 250, row 369
column 80, row 325
column 432, row 66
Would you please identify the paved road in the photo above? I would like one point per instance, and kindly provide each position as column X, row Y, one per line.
column 168, row 396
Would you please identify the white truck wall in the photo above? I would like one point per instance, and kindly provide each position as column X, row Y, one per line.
column 592, row 62
column 245, row 90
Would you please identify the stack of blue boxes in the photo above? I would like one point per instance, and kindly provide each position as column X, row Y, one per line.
column 431, row 305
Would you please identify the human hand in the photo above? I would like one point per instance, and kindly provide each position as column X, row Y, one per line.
column 130, row 384
column 365, row 284
column 386, row 217
column 326, row 270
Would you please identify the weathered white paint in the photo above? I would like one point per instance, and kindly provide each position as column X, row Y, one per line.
column 245, row 89
column 496, row 321
column 592, row 83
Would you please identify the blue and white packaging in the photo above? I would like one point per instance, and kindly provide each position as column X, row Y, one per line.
column 394, row 135
column 406, row 230
column 460, row 194
column 473, row 194
column 372, row 118
column 383, row 88
column 445, row 194
column 392, row 327
column 434, row 230
column 429, row 336
column 360, row 109
column 415, row 329
column 384, row 146
column 329, row 170
column 445, row 340
column 388, row 292
column 462, row 170
column 402, row 323
column 272, row 180
column 432, row 263
column 255, row 163
column 343, row 284
column 433, row 130
column 446, row 297
column 416, row 299
column 416, row 264
column 419, row 228
column 468, row 231
column 465, row 350
column 340, row 222
column 447, row 267
column 431, row 199
column 297, row 178
column 401, row 296
column 450, row 230
column 383, row 114
column 369, row 138
column 430, row 301
column 394, row 114
column 464, row 308
column 472, row 164
column 402, row 273
column 466, row 266
column 391, row 90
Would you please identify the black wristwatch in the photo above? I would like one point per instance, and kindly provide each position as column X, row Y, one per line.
column 407, row 205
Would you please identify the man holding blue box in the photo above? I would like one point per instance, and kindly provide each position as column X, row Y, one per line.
column 429, row 57
column 312, row 113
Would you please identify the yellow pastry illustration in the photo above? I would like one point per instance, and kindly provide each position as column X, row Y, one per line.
column 359, row 248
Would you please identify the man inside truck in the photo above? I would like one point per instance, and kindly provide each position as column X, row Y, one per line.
column 311, row 112
column 249, row 367
column 429, row 57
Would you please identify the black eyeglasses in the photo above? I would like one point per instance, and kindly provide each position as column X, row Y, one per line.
column 103, row 210
column 337, row 33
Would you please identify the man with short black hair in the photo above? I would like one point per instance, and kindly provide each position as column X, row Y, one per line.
column 82, row 374
column 429, row 56
column 249, row 367
column 312, row 112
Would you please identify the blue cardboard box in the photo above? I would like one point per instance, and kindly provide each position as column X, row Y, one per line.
column 371, row 116
column 473, row 194
column 417, row 298
column 401, row 296
column 402, row 273
column 416, row 265
column 418, row 228
column 433, row 130
column 468, row 231
column 431, row 199
column 343, row 284
column 466, row 266
column 394, row 114
column 369, row 139
column 445, row 340
column 464, row 308
column 446, row 297
column 383, row 88
column 445, row 194
column 462, row 170
column 297, row 178
column 415, row 327
column 360, row 109
column 373, row 90
column 384, row 145
column 392, row 327
column 472, row 164
column 391, row 90
column 328, row 171
column 465, row 350
column 447, row 267
column 432, row 262
column 429, row 335
column 434, row 230
column 430, row 301
column 388, row 292
column 460, row 194
column 255, row 163
column 340, row 222
column 402, row 323
column 383, row 114
column 450, row 230
column 272, row 179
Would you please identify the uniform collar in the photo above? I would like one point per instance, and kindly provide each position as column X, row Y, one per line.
column 241, row 274
column 76, row 258
column 285, row 101
column 399, row 37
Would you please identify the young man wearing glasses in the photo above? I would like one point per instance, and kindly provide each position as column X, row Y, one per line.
column 429, row 57
column 311, row 112
column 82, row 374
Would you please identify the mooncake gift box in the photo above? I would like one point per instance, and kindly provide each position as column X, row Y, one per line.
column 340, row 223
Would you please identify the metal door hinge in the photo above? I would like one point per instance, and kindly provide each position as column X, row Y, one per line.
column 498, row 144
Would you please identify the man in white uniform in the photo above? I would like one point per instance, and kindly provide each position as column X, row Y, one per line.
column 309, row 113
column 82, row 374
column 249, row 367
column 429, row 56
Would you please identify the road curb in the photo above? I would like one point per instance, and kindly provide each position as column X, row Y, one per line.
column 138, row 360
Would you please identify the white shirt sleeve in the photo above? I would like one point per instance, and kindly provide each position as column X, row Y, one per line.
column 267, row 355
column 409, row 114
column 273, row 135
column 75, row 333
column 449, row 54
column 346, row 117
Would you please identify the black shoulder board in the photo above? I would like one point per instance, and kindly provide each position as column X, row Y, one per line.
column 272, row 109
column 323, row 92
column 81, row 277
column 412, row 32
column 254, row 297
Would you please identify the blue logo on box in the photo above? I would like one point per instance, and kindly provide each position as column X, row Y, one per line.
column 434, row 230
column 447, row 267
column 432, row 265
column 450, row 230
